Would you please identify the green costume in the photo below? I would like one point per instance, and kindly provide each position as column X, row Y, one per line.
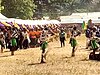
column 94, row 44
column 13, row 42
column 73, row 42
column 44, row 45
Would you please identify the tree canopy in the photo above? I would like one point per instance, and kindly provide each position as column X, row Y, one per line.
column 18, row 8
column 0, row 4
column 27, row 9
column 55, row 8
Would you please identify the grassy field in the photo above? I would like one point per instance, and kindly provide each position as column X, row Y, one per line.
column 59, row 61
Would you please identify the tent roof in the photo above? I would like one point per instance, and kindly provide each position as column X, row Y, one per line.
column 89, row 15
column 2, row 17
column 79, row 21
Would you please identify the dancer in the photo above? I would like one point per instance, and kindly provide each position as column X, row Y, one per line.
column 73, row 41
column 43, row 40
column 88, row 35
column 95, row 46
column 13, row 43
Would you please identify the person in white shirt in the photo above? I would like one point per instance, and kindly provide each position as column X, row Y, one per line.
column 25, row 41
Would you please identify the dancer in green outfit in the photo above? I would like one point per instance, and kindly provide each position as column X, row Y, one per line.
column 73, row 41
column 94, row 43
column 43, row 45
column 13, row 43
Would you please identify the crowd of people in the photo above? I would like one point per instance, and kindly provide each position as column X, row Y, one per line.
column 14, row 39
column 92, row 34
column 93, row 40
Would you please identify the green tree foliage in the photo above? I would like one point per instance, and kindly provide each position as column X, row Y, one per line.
column 25, row 9
column 96, row 7
column 18, row 8
column 55, row 8
column 0, row 5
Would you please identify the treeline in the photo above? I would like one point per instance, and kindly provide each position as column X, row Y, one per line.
column 29, row 9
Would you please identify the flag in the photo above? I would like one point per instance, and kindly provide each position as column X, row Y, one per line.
column 16, row 25
column 6, row 24
column 1, row 25
column 83, row 24
column 23, row 25
column 10, row 23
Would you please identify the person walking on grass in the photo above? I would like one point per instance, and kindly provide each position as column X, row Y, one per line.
column 62, row 37
column 43, row 45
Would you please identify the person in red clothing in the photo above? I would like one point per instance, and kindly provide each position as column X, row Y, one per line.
column 32, row 35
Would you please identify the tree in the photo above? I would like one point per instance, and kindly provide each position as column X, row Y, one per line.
column 55, row 8
column 63, row 7
column 0, row 5
column 96, row 7
column 22, row 9
column 86, row 4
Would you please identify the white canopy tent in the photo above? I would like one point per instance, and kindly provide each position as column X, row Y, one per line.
column 88, row 15
column 28, row 22
column 2, row 17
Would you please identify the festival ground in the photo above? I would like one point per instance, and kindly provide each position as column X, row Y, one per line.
column 59, row 61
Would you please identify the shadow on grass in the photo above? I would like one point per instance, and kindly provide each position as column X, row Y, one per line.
column 90, row 60
column 6, row 51
column 85, row 59
column 5, row 56
column 57, row 47
column 66, row 57
column 35, row 64
column 82, row 49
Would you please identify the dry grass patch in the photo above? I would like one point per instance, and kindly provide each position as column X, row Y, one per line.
column 59, row 61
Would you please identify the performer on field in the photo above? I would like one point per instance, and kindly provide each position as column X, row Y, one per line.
column 43, row 44
column 73, row 41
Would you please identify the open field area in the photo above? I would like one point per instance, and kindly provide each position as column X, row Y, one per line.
column 59, row 61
